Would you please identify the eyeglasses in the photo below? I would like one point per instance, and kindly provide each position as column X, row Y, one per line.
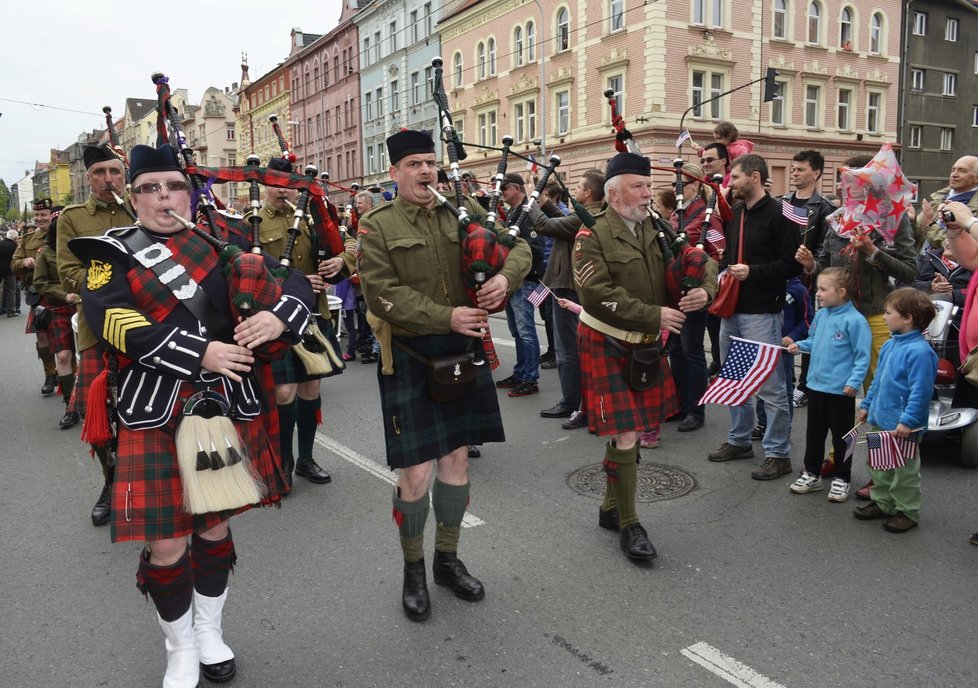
column 154, row 187
column 707, row 161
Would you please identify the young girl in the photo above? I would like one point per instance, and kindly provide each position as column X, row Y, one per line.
column 899, row 401
column 839, row 342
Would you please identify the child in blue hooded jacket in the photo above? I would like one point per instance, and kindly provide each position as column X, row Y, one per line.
column 898, row 401
column 839, row 342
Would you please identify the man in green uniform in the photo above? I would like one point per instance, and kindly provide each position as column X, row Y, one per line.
column 98, row 214
column 410, row 271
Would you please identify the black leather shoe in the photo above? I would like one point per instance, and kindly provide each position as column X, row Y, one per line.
column 608, row 519
column 311, row 471
column 474, row 452
column 414, row 594
column 635, row 543
column 690, row 423
column 47, row 389
column 557, row 411
column 450, row 571
column 103, row 507
column 222, row 672
column 69, row 420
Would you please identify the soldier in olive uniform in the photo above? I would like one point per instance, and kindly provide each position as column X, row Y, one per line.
column 25, row 257
column 620, row 277
column 410, row 271
column 98, row 214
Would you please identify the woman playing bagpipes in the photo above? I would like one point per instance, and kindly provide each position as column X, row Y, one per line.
column 191, row 452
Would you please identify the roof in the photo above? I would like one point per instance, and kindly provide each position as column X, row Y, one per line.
column 463, row 5
column 139, row 107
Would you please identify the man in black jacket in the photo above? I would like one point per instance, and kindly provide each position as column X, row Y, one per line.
column 9, row 304
column 768, row 261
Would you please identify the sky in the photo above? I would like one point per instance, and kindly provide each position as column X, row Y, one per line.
column 84, row 55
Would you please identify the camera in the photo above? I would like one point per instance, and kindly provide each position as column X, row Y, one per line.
column 947, row 216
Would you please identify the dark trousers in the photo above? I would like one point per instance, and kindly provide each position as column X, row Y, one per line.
column 11, row 295
column 713, row 327
column 687, row 358
column 833, row 413
column 568, row 363
column 803, row 378
column 547, row 315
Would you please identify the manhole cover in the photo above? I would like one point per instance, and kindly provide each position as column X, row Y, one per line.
column 656, row 482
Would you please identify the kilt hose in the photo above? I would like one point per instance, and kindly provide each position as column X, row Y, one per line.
column 612, row 407
column 89, row 366
column 418, row 429
column 60, row 335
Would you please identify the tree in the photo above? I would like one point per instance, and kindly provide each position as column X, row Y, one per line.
column 4, row 197
column 12, row 214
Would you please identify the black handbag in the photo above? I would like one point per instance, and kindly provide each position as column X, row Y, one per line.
column 641, row 364
column 450, row 378
column 42, row 318
column 31, row 297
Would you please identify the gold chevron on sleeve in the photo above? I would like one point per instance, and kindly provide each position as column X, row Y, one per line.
column 118, row 323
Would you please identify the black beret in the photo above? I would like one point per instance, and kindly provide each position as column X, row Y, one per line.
column 513, row 178
column 408, row 142
column 628, row 163
column 94, row 154
column 43, row 204
column 280, row 165
column 148, row 159
column 442, row 177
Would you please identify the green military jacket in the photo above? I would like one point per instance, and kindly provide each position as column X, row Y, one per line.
column 91, row 218
column 46, row 279
column 620, row 277
column 410, row 265
column 30, row 246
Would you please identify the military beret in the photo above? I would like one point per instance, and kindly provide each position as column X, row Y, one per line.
column 628, row 163
column 280, row 165
column 408, row 142
column 144, row 159
column 442, row 177
column 513, row 178
column 43, row 204
column 94, row 154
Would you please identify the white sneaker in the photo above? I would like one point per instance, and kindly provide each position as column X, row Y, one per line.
column 806, row 483
column 839, row 490
column 799, row 399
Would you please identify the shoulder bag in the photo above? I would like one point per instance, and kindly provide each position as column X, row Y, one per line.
column 728, row 289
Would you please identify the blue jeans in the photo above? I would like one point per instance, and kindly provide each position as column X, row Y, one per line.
column 761, row 327
column 687, row 358
column 568, row 363
column 789, row 381
column 519, row 317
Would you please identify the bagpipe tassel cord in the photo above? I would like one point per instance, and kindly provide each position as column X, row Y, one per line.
column 95, row 430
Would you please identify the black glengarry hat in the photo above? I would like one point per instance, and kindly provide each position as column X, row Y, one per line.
column 408, row 142
column 280, row 165
column 145, row 159
column 95, row 154
column 628, row 163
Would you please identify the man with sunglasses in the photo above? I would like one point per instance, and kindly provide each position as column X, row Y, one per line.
column 714, row 160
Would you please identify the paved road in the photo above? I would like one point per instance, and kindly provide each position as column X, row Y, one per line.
column 754, row 586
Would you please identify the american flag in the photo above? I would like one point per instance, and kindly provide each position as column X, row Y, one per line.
column 683, row 138
column 887, row 451
column 850, row 438
column 538, row 295
column 797, row 215
column 716, row 238
column 747, row 365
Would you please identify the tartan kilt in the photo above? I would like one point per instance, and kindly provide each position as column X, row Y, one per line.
column 89, row 366
column 147, row 493
column 612, row 407
column 417, row 429
column 289, row 369
column 60, row 335
column 30, row 329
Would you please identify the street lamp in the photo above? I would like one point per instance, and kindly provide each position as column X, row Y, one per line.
column 543, row 81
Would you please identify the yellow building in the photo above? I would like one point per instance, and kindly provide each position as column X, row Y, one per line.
column 59, row 177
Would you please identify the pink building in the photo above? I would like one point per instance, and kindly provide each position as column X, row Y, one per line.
column 838, row 62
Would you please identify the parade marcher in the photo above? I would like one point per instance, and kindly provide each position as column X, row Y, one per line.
column 620, row 277
column 99, row 213
column 410, row 267
column 8, row 280
column 297, row 393
column 169, row 358
column 60, row 336
column 31, row 243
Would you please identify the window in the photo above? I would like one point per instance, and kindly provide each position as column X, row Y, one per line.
column 616, row 14
column 914, row 137
column 414, row 26
column 381, row 157
column 415, row 88
column 780, row 23
column 460, row 128
column 492, row 57
column 919, row 23
column 778, row 105
column 699, row 12
column 368, row 106
column 715, row 9
column 845, row 103
column 428, row 82
column 814, row 23
column 813, row 99
column 230, row 132
column 480, row 59
column 701, row 82
column 563, row 112
column 974, row 116
column 531, row 42
column 525, row 114
column 487, row 128
column 950, row 84
column 392, row 31
column 427, row 19
column 947, row 138
column 379, row 97
column 370, row 160
column 951, row 30
column 319, row 126
column 518, row 45
column 876, row 34
column 457, row 68
column 395, row 97
column 845, row 29
column 377, row 46
column 873, row 113
column 976, row 62
column 917, row 80
column 563, row 29
column 616, row 84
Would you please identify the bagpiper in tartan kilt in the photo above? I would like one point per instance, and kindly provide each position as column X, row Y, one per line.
column 60, row 335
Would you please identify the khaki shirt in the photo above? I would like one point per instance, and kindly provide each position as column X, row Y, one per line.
column 30, row 246
column 91, row 218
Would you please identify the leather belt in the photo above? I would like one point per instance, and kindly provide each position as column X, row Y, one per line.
column 630, row 336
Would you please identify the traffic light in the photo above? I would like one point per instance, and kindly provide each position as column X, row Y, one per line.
column 771, row 86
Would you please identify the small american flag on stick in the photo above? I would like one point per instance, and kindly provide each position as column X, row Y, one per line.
column 886, row 451
column 796, row 215
column 538, row 295
column 747, row 365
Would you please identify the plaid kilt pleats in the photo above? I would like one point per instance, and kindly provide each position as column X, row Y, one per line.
column 611, row 406
column 89, row 366
column 60, row 335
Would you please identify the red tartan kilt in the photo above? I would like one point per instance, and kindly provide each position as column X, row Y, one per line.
column 611, row 406
column 30, row 329
column 60, row 335
column 147, row 493
column 89, row 366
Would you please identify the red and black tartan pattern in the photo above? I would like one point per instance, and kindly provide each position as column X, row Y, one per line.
column 612, row 407
column 417, row 429
column 60, row 335
column 30, row 329
column 89, row 366
column 147, row 494
column 155, row 298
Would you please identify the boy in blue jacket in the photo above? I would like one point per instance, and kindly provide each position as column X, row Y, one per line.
column 899, row 401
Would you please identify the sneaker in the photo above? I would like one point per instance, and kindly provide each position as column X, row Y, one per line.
column 773, row 467
column 806, row 483
column 869, row 512
column 839, row 491
column 758, row 432
column 548, row 357
column 799, row 399
column 576, row 420
column 650, row 439
column 730, row 452
column 349, row 357
column 524, row 389
column 548, row 365
column 864, row 491
column 507, row 383
column 973, row 539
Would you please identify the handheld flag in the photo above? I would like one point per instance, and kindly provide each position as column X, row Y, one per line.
column 538, row 295
column 747, row 365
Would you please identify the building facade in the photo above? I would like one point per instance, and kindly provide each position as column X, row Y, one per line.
column 211, row 134
column 267, row 95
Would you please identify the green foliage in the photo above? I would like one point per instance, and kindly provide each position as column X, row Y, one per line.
column 12, row 214
column 4, row 197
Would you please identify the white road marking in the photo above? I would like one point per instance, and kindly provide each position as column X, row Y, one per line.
column 727, row 668
column 378, row 471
